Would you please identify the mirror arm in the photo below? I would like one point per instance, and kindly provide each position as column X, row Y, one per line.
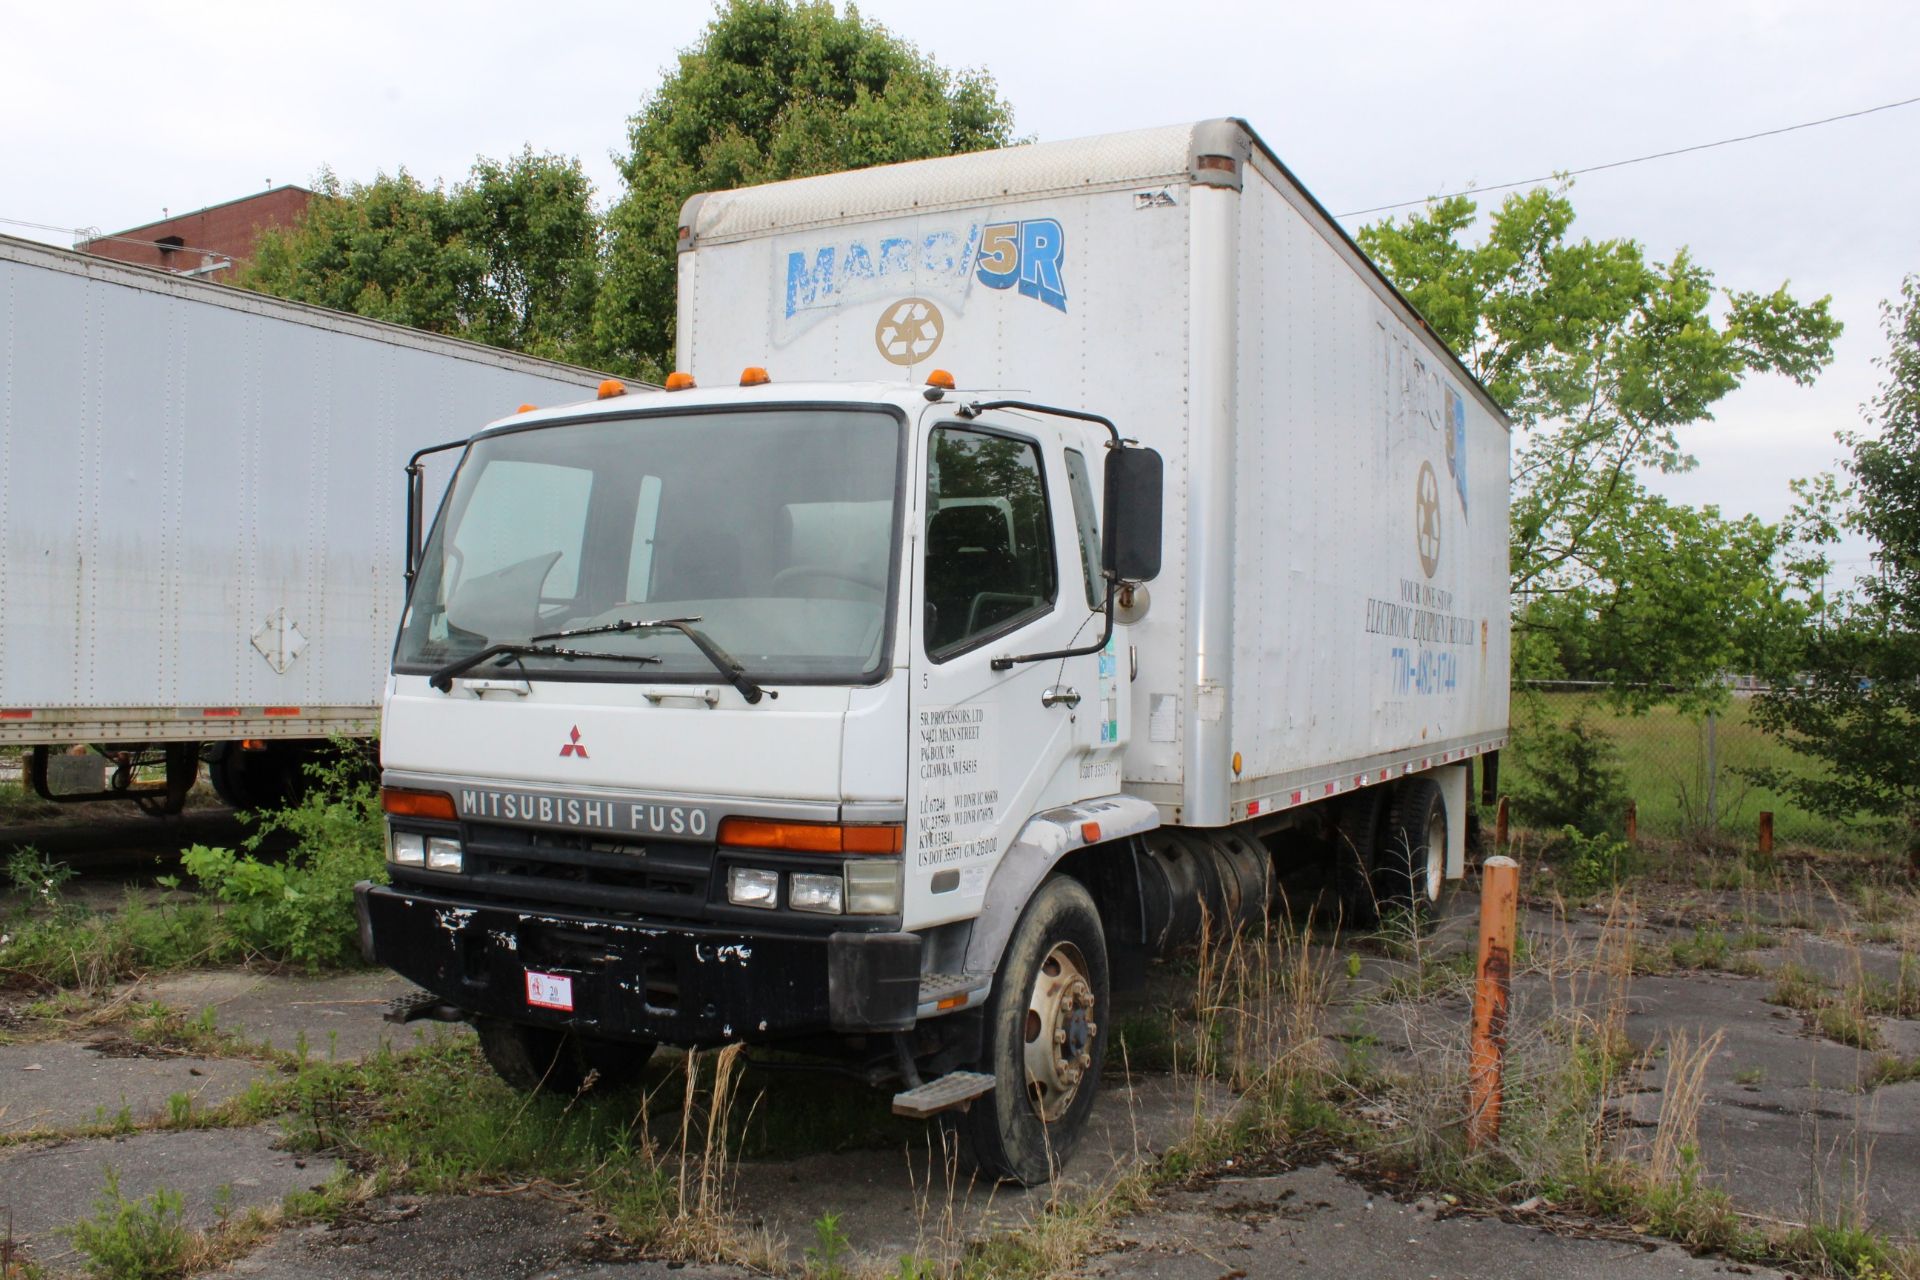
column 975, row 408
column 1113, row 589
column 416, row 474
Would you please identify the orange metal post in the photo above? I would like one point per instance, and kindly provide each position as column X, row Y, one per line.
column 1633, row 823
column 1499, row 903
column 1500, row 829
column 1766, row 831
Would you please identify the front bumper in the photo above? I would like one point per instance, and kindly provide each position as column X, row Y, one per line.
column 674, row 984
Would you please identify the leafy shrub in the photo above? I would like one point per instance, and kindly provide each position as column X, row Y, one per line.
column 300, row 909
column 133, row 1239
column 1588, row 864
column 1573, row 778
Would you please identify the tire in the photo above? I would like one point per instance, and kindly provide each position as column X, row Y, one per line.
column 1410, row 873
column 272, row 778
column 1054, row 975
column 543, row 1058
column 1356, row 844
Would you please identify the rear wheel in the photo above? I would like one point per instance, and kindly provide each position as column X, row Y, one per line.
column 1044, row 1038
column 1356, row 841
column 530, row 1058
column 1412, row 870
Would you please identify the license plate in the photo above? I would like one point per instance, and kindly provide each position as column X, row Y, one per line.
column 550, row 991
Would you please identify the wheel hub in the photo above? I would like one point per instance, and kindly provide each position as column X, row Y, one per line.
column 1060, row 1031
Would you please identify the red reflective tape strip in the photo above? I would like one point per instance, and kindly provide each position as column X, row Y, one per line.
column 16, row 715
column 282, row 711
column 219, row 711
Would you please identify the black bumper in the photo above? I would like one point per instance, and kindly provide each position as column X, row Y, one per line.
column 679, row 984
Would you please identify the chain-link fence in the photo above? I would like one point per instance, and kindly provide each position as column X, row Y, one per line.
column 1686, row 773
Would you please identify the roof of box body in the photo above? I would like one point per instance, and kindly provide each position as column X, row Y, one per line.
column 1114, row 161
column 922, row 186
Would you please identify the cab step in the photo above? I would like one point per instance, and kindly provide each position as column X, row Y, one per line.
column 955, row 1089
column 422, row 1004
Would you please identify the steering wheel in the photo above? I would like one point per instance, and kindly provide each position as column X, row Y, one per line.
column 803, row 572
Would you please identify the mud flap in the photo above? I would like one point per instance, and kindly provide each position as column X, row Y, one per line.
column 873, row 981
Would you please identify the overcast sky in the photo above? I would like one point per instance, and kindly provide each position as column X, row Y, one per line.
column 139, row 108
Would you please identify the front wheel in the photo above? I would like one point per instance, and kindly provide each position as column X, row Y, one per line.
column 530, row 1058
column 1044, row 1038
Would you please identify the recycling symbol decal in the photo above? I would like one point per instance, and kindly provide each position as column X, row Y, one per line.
column 909, row 331
column 1426, row 516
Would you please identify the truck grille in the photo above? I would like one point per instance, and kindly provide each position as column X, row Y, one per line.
column 656, row 878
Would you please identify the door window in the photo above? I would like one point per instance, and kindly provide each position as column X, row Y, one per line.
column 989, row 543
column 1086, row 519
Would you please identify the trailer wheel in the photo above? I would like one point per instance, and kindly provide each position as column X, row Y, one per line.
column 1412, row 870
column 1044, row 1038
column 530, row 1058
column 274, row 777
column 1356, row 842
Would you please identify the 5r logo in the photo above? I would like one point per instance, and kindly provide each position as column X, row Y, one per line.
column 1026, row 254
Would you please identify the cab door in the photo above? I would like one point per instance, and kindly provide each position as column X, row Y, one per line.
column 999, row 574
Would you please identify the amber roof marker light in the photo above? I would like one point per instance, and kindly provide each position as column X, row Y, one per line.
column 612, row 387
column 678, row 381
column 754, row 376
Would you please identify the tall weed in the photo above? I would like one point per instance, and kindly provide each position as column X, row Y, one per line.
column 299, row 909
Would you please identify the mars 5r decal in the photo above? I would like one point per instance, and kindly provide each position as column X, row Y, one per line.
column 1026, row 254
column 931, row 258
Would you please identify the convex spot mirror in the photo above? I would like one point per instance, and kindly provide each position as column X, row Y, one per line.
column 1131, row 550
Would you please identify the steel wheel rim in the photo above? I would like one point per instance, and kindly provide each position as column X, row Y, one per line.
column 1436, row 868
column 1058, row 1031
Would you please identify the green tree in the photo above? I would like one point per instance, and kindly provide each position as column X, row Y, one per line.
column 1854, row 712
column 510, row 257
column 1602, row 357
column 773, row 89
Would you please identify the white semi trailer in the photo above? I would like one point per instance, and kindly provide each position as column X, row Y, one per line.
column 203, row 553
column 833, row 710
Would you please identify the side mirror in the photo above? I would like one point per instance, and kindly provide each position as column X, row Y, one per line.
column 1131, row 548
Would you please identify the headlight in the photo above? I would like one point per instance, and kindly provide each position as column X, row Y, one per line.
column 815, row 893
column 751, row 887
column 873, row 886
column 408, row 849
column 443, row 854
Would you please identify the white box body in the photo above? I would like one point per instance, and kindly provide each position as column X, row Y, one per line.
column 1332, row 608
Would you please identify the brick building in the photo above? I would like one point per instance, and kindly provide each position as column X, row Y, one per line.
column 206, row 242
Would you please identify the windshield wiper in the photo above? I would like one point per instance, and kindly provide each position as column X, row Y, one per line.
column 443, row 678
column 724, row 662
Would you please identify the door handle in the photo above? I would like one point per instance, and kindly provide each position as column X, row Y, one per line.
column 1060, row 695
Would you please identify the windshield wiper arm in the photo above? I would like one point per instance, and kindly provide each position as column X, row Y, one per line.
column 443, row 678
column 724, row 662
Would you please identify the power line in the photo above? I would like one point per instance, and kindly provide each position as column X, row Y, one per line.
column 81, row 233
column 1616, row 164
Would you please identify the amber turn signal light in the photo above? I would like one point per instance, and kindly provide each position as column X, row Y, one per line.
column 811, row 837
column 417, row 804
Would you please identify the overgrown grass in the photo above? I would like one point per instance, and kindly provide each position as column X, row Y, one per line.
column 296, row 909
column 1663, row 757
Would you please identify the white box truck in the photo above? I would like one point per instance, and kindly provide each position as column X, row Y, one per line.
column 834, row 709
column 203, row 550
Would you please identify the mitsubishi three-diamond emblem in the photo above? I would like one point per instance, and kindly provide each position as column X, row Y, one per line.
column 573, row 748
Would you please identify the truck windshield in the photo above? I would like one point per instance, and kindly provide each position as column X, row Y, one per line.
column 773, row 527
